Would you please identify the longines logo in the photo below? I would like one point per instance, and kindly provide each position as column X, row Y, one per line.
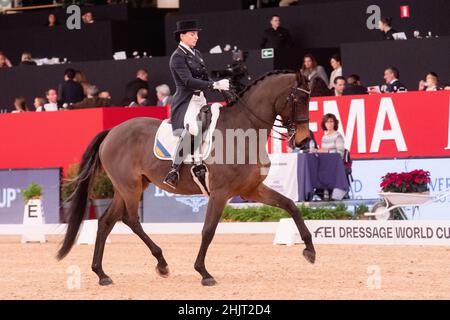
column 194, row 202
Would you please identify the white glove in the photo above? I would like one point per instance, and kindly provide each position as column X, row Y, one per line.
column 223, row 84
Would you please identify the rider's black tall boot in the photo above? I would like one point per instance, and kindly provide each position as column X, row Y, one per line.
column 174, row 174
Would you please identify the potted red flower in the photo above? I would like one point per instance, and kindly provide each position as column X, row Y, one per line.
column 406, row 187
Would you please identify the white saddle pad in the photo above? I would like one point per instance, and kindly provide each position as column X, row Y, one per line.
column 166, row 142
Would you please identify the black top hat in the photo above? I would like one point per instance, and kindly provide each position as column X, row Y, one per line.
column 187, row 25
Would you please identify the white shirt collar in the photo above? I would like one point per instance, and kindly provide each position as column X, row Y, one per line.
column 187, row 48
column 393, row 80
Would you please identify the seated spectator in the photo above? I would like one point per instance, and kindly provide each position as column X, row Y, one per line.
column 141, row 99
column 88, row 17
column 385, row 26
column 92, row 100
column 339, row 86
column 69, row 91
column 39, row 104
column 393, row 84
column 335, row 62
column 52, row 98
column 19, row 105
column 132, row 87
column 4, row 61
column 276, row 36
column 51, row 20
column 431, row 83
column 332, row 140
column 27, row 60
column 311, row 70
column 163, row 95
column 353, row 86
column 104, row 95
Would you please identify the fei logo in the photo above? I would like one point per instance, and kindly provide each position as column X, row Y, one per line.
column 7, row 196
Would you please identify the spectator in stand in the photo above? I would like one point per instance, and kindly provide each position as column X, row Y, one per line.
column 92, row 100
column 431, row 83
column 20, row 105
column 354, row 86
column 88, row 18
column 385, row 26
column 39, row 104
column 69, row 91
column 51, row 20
column 276, row 36
column 310, row 69
column 80, row 77
column 132, row 87
column 4, row 61
column 336, row 64
column 104, row 95
column 163, row 95
column 27, row 60
column 332, row 140
column 52, row 98
column 141, row 99
column 393, row 84
column 339, row 86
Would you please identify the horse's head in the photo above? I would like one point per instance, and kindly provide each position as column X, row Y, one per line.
column 294, row 110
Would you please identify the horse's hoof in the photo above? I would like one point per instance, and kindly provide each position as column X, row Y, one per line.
column 163, row 272
column 208, row 282
column 309, row 255
column 105, row 281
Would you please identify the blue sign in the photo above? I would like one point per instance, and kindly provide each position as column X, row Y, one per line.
column 163, row 206
column 12, row 182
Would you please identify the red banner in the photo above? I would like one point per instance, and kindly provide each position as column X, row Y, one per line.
column 400, row 125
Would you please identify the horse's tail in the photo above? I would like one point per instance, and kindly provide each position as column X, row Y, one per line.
column 89, row 166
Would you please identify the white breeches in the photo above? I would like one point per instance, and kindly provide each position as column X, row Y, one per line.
column 190, row 118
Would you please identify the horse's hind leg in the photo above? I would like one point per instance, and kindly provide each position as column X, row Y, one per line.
column 131, row 219
column 272, row 198
column 105, row 224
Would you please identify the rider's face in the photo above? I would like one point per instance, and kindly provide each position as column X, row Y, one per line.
column 189, row 38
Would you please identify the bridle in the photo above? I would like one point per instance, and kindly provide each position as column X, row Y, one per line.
column 292, row 99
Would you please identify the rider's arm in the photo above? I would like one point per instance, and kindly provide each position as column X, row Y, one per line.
column 180, row 67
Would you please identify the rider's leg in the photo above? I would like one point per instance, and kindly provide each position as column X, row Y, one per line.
column 181, row 150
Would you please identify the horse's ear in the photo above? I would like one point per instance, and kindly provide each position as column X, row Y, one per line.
column 301, row 80
column 319, row 88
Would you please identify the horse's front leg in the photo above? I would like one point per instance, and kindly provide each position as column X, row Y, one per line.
column 216, row 204
column 272, row 198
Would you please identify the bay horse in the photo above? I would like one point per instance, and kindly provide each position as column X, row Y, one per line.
column 125, row 153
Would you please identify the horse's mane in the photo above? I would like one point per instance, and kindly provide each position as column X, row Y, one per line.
column 255, row 82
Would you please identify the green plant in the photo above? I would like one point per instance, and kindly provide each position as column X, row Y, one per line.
column 267, row 214
column 102, row 187
column 33, row 191
column 68, row 186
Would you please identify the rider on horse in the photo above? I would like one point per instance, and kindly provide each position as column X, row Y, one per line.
column 191, row 78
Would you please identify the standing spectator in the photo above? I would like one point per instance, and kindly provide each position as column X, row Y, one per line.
column 39, row 104
column 354, row 86
column 339, row 86
column 141, row 82
column 51, row 20
column 4, row 61
column 20, row 105
column 52, row 98
column 92, row 100
column 310, row 69
column 163, row 95
column 27, row 60
column 88, row 18
column 69, row 91
column 80, row 77
column 336, row 64
column 141, row 99
column 391, row 76
column 431, row 83
column 276, row 36
column 385, row 26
